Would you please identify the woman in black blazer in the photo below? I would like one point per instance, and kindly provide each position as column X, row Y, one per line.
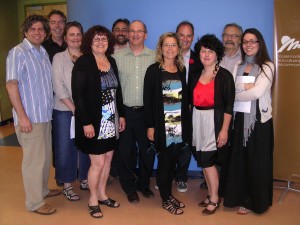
column 97, row 95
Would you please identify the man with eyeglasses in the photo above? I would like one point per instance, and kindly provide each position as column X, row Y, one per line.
column 231, row 38
column 56, row 43
column 132, row 64
column 120, row 33
column 185, row 31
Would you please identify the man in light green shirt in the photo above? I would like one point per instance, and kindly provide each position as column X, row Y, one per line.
column 132, row 64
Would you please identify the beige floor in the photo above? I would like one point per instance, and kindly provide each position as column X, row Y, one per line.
column 146, row 212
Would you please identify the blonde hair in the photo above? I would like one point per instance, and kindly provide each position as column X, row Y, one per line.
column 159, row 56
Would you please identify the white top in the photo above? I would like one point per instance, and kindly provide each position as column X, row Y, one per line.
column 261, row 90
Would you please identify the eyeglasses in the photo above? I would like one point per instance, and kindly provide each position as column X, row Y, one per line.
column 103, row 39
column 232, row 36
column 252, row 42
column 136, row 31
column 173, row 45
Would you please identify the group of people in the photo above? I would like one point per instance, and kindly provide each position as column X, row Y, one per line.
column 130, row 103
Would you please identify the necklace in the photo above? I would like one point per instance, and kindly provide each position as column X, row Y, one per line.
column 73, row 56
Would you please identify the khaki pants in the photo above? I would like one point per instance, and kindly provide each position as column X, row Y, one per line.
column 37, row 150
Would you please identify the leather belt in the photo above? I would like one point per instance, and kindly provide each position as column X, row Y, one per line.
column 135, row 108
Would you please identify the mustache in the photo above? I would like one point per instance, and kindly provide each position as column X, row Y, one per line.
column 121, row 35
column 229, row 43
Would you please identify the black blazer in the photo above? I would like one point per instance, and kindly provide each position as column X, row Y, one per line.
column 154, row 109
column 86, row 93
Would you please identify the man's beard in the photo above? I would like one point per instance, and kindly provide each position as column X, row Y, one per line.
column 122, row 41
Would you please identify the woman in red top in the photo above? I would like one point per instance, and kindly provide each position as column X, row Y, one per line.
column 212, row 91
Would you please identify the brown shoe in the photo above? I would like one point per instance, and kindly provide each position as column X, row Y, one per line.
column 207, row 212
column 45, row 209
column 53, row 192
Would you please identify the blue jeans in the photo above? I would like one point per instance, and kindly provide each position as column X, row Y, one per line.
column 70, row 163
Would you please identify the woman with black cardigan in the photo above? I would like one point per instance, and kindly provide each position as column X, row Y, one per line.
column 167, row 114
column 212, row 92
column 97, row 95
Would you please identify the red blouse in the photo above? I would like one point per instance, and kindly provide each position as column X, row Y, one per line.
column 204, row 94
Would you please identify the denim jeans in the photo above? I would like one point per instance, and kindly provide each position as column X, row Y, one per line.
column 70, row 163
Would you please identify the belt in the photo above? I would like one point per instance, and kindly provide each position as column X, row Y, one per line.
column 135, row 108
column 204, row 108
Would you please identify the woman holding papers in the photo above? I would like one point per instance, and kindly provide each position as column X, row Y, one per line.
column 212, row 93
column 71, row 164
column 249, row 182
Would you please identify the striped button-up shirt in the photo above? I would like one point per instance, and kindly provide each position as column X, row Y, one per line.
column 132, row 71
column 32, row 69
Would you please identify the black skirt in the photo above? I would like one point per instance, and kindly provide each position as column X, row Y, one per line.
column 250, row 174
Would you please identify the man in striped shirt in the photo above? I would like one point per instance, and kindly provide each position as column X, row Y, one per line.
column 28, row 77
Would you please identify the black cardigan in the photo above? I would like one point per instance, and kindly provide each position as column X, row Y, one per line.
column 224, row 95
column 86, row 94
column 154, row 108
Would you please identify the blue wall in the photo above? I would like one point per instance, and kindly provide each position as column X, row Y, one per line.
column 163, row 15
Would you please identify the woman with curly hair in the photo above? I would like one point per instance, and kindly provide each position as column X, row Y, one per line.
column 97, row 95
column 212, row 96
column 167, row 114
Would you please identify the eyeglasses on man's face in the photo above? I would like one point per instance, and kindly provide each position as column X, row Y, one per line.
column 136, row 31
column 232, row 36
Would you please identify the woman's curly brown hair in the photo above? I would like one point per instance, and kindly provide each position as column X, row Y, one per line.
column 87, row 41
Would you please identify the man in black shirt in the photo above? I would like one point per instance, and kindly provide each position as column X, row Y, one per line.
column 55, row 43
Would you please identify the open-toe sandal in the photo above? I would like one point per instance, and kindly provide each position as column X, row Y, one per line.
column 95, row 209
column 175, row 202
column 207, row 212
column 243, row 211
column 110, row 203
column 167, row 205
column 205, row 202
column 70, row 194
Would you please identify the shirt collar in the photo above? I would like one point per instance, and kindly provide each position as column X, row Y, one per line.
column 188, row 54
column 146, row 51
column 30, row 46
column 238, row 53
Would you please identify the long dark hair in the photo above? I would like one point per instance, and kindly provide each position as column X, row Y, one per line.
column 262, row 56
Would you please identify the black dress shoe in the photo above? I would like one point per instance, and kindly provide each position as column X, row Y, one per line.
column 133, row 198
column 147, row 193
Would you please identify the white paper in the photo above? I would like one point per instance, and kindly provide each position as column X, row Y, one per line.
column 72, row 128
column 244, row 107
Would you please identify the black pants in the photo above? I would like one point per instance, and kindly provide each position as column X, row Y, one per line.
column 135, row 132
column 183, row 164
column 166, row 169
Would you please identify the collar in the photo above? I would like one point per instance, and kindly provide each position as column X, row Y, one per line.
column 188, row 54
column 238, row 53
column 146, row 51
column 30, row 46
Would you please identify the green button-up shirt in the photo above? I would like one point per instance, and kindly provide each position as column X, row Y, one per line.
column 132, row 71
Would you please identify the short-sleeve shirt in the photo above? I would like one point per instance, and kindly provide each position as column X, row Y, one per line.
column 132, row 71
column 32, row 69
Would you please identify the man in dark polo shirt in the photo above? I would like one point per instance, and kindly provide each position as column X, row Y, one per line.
column 55, row 43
